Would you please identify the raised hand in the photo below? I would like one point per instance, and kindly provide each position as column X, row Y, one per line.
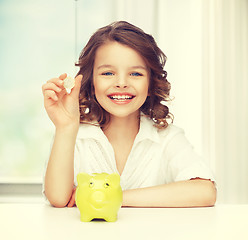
column 62, row 108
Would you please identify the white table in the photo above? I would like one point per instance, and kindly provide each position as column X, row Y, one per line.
column 41, row 221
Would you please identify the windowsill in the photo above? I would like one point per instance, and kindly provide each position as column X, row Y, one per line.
column 20, row 180
column 21, row 193
column 21, row 199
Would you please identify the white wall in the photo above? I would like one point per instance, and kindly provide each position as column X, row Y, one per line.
column 180, row 37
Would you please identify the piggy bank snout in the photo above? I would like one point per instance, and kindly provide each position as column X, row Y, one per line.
column 98, row 197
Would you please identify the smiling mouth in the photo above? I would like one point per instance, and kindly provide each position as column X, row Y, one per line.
column 121, row 97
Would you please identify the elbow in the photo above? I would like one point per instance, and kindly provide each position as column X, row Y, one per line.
column 58, row 204
column 57, row 201
column 210, row 201
column 213, row 199
column 210, row 195
column 206, row 193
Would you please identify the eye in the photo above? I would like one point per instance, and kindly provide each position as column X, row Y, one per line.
column 136, row 74
column 107, row 74
column 91, row 184
column 106, row 185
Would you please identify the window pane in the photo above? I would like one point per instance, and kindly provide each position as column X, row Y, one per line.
column 90, row 16
column 37, row 42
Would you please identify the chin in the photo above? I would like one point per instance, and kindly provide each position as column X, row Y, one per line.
column 124, row 114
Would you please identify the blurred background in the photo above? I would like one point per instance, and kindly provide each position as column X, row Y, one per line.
column 206, row 44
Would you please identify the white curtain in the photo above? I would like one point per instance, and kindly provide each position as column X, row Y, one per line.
column 225, row 78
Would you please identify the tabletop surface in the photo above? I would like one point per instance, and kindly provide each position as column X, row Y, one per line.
column 41, row 221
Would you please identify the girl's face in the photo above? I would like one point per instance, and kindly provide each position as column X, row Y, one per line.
column 121, row 79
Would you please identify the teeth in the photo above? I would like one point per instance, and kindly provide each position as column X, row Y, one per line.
column 121, row 97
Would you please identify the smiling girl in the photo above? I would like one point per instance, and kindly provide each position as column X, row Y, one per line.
column 116, row 120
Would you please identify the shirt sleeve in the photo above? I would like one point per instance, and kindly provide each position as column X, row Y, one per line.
column 183, row 162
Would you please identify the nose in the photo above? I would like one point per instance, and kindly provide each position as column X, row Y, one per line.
column 121, row 82
column 98, row 198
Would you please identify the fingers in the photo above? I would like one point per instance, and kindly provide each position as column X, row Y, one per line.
column 50, row 94
column 71, row 203
column 75, row 91
column 53, row 87
column 78, row 79
column 57, row 81
column 63, row 76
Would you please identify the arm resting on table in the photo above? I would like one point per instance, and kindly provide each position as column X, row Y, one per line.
column 190, row 193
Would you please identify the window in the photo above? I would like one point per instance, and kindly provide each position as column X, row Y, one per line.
column 38, row 40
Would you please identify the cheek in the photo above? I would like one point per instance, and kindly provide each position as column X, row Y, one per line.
column 143, row 92
column 98, row 85
column 144, row 88
column 100, row 88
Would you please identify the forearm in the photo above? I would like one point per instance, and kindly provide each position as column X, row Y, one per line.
column 192, row 193
column 59, row 177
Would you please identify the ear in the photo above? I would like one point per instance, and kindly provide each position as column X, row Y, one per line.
column 114, row 178
column 83, row 177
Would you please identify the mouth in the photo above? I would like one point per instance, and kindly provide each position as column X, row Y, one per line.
column 121, row 98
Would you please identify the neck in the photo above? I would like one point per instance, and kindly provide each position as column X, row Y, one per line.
column 122, row 128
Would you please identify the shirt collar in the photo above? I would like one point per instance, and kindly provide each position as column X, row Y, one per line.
column 146, row 132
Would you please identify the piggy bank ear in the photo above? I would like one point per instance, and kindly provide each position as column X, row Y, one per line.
column 114, row 178
column 83, row 177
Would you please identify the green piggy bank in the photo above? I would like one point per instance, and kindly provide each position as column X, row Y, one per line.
column 98, row 196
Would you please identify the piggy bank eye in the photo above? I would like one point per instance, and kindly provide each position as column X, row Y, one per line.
column 91, row 184
column 106, row 185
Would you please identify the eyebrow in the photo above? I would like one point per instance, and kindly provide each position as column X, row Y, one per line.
column 133, row 67
column 139, row 66
column 104, row 66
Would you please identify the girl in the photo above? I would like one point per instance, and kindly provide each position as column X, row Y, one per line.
column 116, row 120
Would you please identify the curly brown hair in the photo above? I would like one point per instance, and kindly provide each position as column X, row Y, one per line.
column 159, row 88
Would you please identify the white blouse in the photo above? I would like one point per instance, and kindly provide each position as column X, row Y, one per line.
column 157, row 156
